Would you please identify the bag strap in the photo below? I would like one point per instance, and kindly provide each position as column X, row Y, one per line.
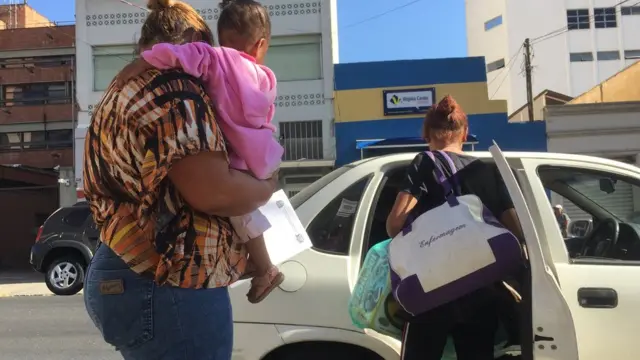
column 450, row 187
column 454, row 170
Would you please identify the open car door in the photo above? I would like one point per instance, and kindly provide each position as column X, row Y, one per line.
column 553, row 328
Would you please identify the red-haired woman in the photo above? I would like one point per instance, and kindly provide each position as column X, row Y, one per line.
column 472, row 321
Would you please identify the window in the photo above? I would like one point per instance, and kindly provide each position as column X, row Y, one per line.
column 608, row 55
column 77, row 217
column 306, row 193
column 107, row 62
column 578, row 57
column 31, row 140
column 493, row 23
column 604, row 18
column 301, row 140
column 578, row 19
column 630, row 10
column 596, row 198
column 632, row 54
column 37, row 93
column 59, row 138
column 31, row 62
column 498, row 64
column 11, row 141
column 331, row 229
column 294, row 58
column 34, row 140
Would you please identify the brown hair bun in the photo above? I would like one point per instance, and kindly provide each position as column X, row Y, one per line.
column 445, row 121
column 155, row 5
column 447, row 106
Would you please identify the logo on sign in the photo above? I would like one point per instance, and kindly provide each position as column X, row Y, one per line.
column 410, row 101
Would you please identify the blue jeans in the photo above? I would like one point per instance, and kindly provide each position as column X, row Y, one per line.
column 149, row 322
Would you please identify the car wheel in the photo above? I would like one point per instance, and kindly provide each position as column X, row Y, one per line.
column 65, row 276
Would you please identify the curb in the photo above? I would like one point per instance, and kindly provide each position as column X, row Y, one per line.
column 9, row 295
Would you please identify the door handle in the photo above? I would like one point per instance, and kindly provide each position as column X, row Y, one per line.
column 598, row 298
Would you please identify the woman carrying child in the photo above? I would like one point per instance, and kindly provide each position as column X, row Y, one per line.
column 161, row 189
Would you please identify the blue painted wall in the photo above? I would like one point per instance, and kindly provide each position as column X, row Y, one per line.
column 386, row 74
column 487, row 128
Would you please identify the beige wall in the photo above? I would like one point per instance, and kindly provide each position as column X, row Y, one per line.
column 623, row 86
column 538, row 111
column 607, row 130
column 22, row 16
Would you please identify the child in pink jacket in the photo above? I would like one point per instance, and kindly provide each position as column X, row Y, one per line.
column 243, row 92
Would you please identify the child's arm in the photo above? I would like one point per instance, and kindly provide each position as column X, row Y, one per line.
column 194, row 58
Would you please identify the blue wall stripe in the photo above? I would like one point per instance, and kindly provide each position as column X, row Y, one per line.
column 530, row 136
column 386, row 74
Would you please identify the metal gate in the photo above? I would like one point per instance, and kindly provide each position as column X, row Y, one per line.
column 620, row 202
column 295, row 184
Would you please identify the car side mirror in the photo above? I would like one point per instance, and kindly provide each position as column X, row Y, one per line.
column 607, row 185
column 579, row 228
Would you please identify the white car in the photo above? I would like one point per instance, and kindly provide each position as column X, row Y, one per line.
column 585, row 307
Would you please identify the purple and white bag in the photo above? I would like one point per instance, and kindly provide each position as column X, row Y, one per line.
column 450, row 250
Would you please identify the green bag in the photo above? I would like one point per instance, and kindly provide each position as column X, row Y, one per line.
column 372, row 305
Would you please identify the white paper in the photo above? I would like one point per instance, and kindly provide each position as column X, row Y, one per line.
column 286, row 237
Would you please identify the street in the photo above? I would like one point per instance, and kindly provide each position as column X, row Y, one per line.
column 51, row 328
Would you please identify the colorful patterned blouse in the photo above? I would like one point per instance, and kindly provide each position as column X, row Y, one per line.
column 135, row 135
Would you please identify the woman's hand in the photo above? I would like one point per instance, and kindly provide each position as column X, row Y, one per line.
column 133, row 69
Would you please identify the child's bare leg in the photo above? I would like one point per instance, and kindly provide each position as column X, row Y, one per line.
column 268, row 277
column 259, row 255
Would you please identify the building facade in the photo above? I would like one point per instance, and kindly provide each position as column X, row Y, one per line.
column 380, row 107
column 576, row 44
column 303, row 50
column 36, row 125
column 602, row 122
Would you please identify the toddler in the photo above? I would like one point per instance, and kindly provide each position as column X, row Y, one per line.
column 243, row 92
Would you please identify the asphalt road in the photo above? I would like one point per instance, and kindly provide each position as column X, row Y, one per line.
column 49, row 328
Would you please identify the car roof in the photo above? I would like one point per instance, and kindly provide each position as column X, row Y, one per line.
column 380, row 161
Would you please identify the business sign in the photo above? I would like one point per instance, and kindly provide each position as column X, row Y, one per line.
column 408, row 101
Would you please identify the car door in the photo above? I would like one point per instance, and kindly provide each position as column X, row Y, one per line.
column 316, row 288
column 552, row 323
column 603, row 294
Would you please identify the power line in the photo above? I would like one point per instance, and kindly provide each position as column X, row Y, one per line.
column 565, row 29
column 506, row 72
column 382, row 14
column 507, row 66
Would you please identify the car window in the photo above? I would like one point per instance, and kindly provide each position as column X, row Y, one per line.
column 612, row 193
column 304, row 195
column 582, row 199
column 76, row 217
column 330, row 231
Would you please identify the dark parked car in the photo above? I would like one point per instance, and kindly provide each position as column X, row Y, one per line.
column 64, row 246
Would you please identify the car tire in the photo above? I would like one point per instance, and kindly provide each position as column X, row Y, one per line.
column 65, row 275
column 323, row 351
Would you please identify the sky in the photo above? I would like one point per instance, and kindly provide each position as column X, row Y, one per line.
column 368, row 30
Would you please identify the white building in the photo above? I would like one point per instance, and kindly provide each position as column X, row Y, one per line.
column 588, row 41
column 303, row 49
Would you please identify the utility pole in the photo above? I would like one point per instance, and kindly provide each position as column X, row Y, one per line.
column 527, row 71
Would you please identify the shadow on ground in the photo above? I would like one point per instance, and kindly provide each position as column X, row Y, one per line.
column 20, row 277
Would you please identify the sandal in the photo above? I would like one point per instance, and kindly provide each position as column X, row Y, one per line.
column 262, row 286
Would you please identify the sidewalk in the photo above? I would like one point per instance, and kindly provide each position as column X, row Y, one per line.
column 22, row 284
